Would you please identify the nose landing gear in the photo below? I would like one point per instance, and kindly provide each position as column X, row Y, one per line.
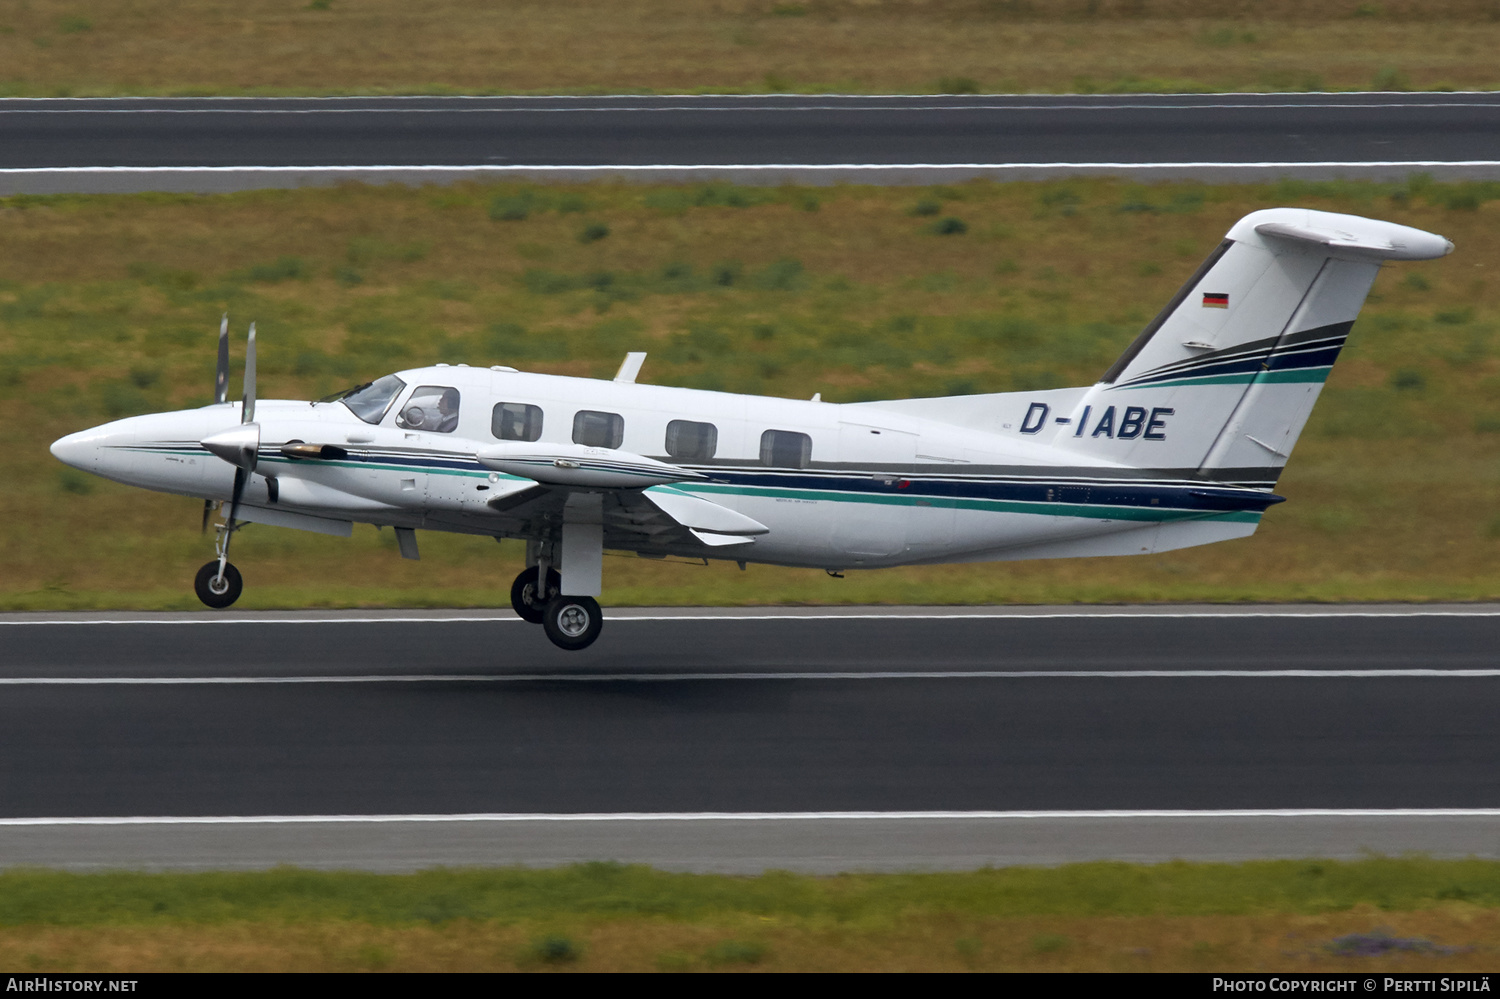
column 218, row 588
column 218, row 583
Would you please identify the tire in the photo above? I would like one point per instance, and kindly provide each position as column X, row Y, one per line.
column 523, row 594
column 573, row 623
column 203, row 585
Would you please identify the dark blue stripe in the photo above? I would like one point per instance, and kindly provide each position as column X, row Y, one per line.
column 1333, row 335
column 1288, row 360
column 1187, row 496
column 1197, row 497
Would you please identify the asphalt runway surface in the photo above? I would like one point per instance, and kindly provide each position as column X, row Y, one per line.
column 739, row 741
column 235, row 143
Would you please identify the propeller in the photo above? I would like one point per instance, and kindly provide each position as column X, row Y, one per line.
column 221, row 395
column 240, row 446
column 221, row 377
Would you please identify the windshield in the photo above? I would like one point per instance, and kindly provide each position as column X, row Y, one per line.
column 370, row 400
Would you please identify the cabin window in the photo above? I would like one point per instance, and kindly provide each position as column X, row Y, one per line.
column 691, row 441
column 516, row 421
column 370, row 400
column 431, row 407
column 785, row 449
column 593, row 429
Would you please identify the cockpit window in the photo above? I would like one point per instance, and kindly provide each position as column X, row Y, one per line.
column 431, row 407
column 370, row 400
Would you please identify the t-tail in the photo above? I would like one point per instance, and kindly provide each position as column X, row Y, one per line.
column 1219, row 386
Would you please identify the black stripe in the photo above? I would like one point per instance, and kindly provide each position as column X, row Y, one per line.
column 1322, row 337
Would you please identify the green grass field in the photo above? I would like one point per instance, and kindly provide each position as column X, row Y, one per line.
column 1414, row 914
column 109, row 306
column 195, row 47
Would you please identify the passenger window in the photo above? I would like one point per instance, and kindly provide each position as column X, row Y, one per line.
column 516, row 421
column 598, row 429
column 431, row 407
column 692, row 441
column 785, row 449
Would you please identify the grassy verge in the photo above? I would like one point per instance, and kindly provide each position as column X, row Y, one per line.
column 109, row 306
column 64, row 48
column 1392, row 914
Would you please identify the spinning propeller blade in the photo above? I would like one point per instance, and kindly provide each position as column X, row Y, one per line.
column 221, row 376
column 239, row 446
column 247, row 415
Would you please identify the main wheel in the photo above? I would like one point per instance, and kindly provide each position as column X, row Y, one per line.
column 216, row 592
column 524, row 598
column 573, row 623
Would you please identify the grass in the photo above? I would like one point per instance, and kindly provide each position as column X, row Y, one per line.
column 198, row 47
column 1409, row 914
column 109, row 306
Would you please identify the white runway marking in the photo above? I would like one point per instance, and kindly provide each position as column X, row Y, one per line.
column 796, row 108
column 511, row 817
column 1123, row 674
column 437, row 169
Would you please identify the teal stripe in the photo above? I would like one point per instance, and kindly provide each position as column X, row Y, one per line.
column 1088, row 511
column 1275, row 377
column 1083, row 510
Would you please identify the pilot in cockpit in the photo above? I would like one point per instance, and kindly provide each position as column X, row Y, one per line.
column 431, row 407
column 447, row 420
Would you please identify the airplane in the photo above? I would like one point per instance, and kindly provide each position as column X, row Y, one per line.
column 1179, row 443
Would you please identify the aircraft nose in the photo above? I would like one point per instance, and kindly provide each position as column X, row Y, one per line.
column 79, row 450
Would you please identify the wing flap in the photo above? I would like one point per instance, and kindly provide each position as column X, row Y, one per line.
column 698, row 514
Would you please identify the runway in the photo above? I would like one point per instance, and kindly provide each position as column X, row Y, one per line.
column 216, row 144
column 740, row 740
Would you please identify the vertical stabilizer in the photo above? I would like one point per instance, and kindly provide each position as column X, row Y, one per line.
column 1223, row 380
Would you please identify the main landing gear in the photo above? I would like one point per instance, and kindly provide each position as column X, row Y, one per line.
column 570, row 622
column 529, row 604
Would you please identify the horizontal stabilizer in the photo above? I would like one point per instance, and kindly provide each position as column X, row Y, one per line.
column 1375, row 240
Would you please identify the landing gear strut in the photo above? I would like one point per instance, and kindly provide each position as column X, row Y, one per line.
column 573, row 623
column 218, row 583
column 529, row 604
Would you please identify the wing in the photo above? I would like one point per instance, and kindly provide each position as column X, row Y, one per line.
column 660, row 518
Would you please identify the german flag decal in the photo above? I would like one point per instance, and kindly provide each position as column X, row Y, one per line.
column 1213, row 300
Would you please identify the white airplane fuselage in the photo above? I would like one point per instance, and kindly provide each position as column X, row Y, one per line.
column 879, row 488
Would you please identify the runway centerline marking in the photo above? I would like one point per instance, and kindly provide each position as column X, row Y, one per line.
column 845, row 816
column 1203, row 674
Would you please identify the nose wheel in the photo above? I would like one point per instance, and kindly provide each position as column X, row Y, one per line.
column 528, row 603
column 218, row 589
column 573, row 623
